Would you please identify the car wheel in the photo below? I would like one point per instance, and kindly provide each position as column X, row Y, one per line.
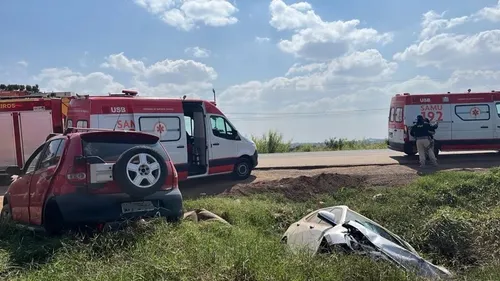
column 242, row 169
column 140, row 171
column 6, row 214
column 53, row 221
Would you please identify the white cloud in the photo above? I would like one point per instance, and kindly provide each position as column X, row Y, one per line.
column 262, row 39
column 64, row 79
column 490, row 13
column 481, row 50
column 314, row 38
column 23, row 63
column 197, row 52
column 189, row 14
column 433, row 22
column 329, row 78
column 162, row 72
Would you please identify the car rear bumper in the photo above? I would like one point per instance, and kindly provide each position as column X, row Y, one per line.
column 102, row 208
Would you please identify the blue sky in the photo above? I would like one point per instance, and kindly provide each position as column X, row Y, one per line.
column 99, row 46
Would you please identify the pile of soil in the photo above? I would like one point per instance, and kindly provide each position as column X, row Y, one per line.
column 303, row 187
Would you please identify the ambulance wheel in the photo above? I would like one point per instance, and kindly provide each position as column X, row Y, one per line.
column 410, row 152
column 242, row 169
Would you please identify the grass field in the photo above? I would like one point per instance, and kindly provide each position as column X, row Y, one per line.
column 273, row 142
column 451, row 218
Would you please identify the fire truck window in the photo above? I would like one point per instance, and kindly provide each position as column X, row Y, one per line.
column 167, row 128
column 52, row 154
column 398, row 117
column 69, row 123
column 81, row 124
column 473, row 112
column 498, row 109
column 391, row 114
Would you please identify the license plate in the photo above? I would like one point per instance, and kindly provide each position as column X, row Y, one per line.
column 133, row 207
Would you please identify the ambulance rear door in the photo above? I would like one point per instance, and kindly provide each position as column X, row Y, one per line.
column 396, row 124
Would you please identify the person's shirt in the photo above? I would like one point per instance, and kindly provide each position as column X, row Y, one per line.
column 421, row 130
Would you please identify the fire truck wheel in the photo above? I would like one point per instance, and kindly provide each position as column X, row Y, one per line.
column 242, row 169
column 140, row 171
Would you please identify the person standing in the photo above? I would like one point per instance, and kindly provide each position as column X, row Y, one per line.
column 421, row 131
column 432, row 132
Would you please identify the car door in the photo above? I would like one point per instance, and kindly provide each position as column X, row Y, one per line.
column 223, row 145
column 19, row 190
column 42, row 177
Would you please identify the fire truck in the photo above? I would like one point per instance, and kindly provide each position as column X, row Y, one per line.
column 26, row 120
column 466, row 121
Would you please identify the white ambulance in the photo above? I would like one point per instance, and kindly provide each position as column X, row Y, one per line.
column 467, row 121
column 198, row 137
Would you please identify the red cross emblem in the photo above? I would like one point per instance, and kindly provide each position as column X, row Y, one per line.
column 475, row 112
column 159, row 128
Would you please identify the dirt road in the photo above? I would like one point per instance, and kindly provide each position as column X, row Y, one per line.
column 361, row 158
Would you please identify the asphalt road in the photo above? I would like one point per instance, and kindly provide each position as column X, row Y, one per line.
column 363, row 158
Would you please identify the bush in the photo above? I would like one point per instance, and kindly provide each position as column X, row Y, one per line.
column 271, row 142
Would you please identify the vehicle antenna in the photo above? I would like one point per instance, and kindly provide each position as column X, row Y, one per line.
column 215, row 100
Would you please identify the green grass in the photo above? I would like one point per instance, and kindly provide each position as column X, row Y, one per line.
column 451, row 218
column 273, row 142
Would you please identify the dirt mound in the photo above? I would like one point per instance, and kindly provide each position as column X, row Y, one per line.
column 302, row 187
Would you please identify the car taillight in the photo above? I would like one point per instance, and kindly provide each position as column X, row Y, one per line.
column 175, row 176
column 77, row 174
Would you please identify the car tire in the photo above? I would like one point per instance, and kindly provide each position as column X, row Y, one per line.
column 53, row 221
column 6, row 214
column 124, row 175
column 242, row 169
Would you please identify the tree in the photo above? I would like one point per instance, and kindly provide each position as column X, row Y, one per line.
column 36, row 88
column 29, row 88
column 20, row 87
column 3, row 87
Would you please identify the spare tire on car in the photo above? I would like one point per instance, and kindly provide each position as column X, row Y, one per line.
column 140, row 171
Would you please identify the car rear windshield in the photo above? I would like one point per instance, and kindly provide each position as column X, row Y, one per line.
column 109, row 148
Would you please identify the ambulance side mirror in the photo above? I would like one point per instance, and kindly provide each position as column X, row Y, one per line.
column 13, row 171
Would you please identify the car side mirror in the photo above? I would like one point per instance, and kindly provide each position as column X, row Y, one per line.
column 328, row 217
column 13, row 171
